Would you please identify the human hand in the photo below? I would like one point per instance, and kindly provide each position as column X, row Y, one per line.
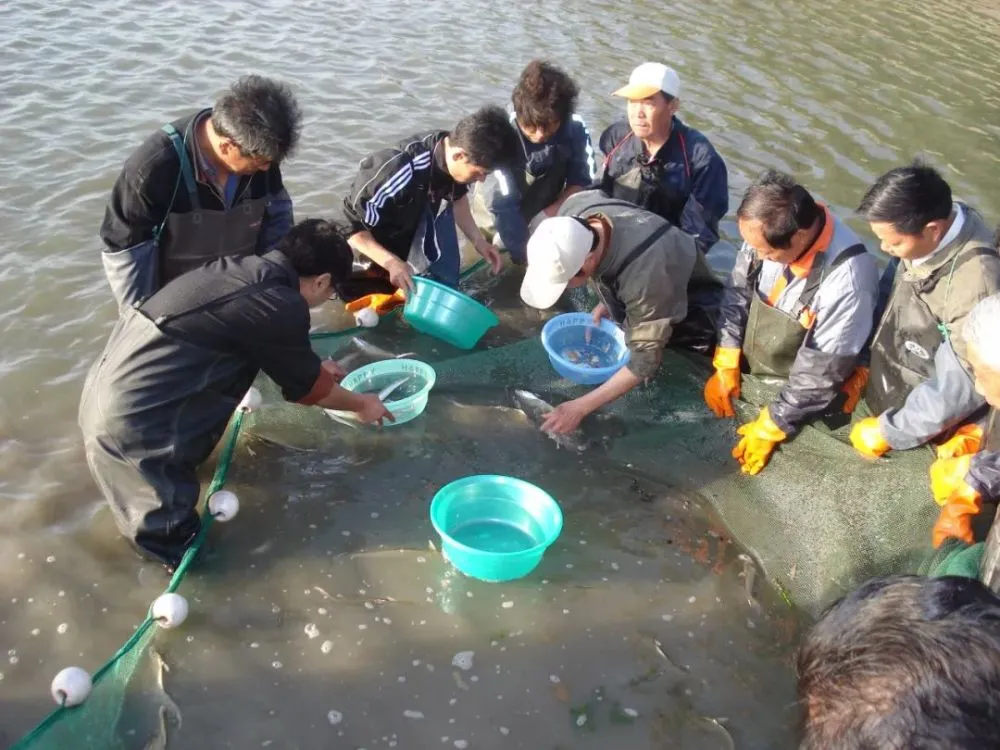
column 372, row 410
column 491, row 255
column 400, row 275
column 601, row 311
column 564, row 418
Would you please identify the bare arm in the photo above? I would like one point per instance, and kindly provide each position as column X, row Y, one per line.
column 364, row 242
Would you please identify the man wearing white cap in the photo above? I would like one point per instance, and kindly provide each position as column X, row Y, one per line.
column 658, row 163
column 644, row 269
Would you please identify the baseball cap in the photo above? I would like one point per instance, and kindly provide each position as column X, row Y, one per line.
column 650, row 78
column 556, row 252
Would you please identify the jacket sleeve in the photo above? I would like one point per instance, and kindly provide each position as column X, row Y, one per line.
column 137, row 206
column 502, row 198
column 844, row 307
column 279, row 217
column 655, row 298
column 937, row 404
column 735, row 307
column 984, row 474
column 582, row 162
column 381, row 181
column 709, row 199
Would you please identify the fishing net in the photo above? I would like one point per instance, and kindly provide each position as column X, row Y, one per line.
column 818, row 520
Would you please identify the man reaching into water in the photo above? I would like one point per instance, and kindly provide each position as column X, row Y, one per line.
column 176, row 366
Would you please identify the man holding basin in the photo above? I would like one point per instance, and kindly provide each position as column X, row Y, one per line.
column 650, row 276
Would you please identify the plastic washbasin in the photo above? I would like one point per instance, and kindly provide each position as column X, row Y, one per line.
column 567, row 333
column 447, row 314
column 495, row 528
column 376, row 376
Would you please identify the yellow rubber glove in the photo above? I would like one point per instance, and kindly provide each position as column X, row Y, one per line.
column 967, row 440
column 380, row 303
column 866, row 437
column 948, row 477
column 759, row 440
column 955, row 519
column 724, row 385
column 854, row 386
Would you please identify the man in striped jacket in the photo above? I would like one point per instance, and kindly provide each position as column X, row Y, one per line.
column 406, row 200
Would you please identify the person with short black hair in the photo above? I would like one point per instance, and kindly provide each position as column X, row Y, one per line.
column 903, row 662
column 655, row 161
column 176, row 366
column 406, row 200
column 921, row 387
column 206, row 185
column 800, row 306
column 555, row 159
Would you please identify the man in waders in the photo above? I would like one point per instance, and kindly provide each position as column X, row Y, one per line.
column 962, row 483
column 177, row 365
column 651, row 276
column 201, row 187
column 658, row 163
column 800, row 306
column 921, row 388
column 406, row 200
column 555, row 159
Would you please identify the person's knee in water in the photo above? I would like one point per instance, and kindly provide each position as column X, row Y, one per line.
column 406, row 200
column 800, row 307
column 903, row 662
column 175, row 368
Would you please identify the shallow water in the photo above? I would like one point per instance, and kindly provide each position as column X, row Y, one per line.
column 835, row 92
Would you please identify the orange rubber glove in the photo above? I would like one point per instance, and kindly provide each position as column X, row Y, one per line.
column 759, row 440
column 955, row 519
column 724, row 385
column 948, row 477
column 380, row 303
column 866, row 437
column 854, row 386
column 967, row 440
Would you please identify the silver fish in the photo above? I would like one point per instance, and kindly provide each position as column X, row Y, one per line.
column 536, row 409
column 371, row 350
column 749, row 576
column 350, row 418
column 387, row 391
column 167, row 705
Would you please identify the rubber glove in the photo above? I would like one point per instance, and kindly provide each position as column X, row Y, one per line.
column 724, row 385
column 948, row 476
column 759, row 440
column 955, row 519
column 380, row 303
column 866, row 437
column 854, row 386
column 967, row 440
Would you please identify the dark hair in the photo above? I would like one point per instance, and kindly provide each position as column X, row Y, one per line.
column 261, row 116
column 781, row 205
column 316, row 246
column 909, row 198
column 544, row 95
column 487, row 137
column 904, row 662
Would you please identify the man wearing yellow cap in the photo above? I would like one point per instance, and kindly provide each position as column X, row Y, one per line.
column 655, row 161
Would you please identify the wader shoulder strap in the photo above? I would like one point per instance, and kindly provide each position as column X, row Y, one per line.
column 185, row 173
column 644, row 245
column 818, row 272
column 254, row 288
column 926, row 285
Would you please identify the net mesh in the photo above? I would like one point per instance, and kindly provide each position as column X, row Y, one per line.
column 818, row 519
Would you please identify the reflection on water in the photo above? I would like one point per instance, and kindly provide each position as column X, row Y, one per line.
column 834, row 92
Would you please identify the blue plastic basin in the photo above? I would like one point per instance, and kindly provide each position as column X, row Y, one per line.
column 406, row 403
column 565, row 340
column 447, row 314
column 495, row 528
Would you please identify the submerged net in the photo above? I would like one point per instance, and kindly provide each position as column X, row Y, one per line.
column 819, row 520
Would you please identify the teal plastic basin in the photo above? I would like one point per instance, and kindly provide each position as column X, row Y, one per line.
column 447, row 314
column 495, row 528
column 406, row 403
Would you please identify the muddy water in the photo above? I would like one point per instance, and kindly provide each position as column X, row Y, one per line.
column 835, row 92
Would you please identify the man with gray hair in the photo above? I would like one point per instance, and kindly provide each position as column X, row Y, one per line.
column 202, row 187
column 962, row 483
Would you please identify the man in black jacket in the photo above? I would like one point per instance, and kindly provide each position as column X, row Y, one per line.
column 406, row 200
column 201, row 187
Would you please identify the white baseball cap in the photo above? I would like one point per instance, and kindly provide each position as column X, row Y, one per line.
column 556, row 252
column 648, row 79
